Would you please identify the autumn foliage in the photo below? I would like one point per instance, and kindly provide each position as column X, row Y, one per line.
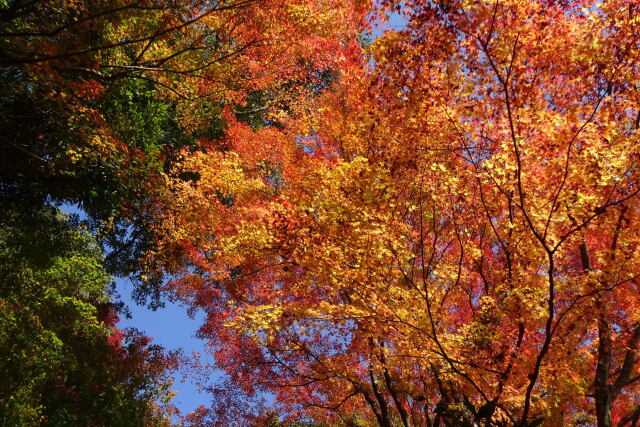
column 439, row 227
column 97, row 101
column 448, row 235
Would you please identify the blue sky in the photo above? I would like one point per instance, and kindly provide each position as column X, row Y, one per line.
column 172, row 328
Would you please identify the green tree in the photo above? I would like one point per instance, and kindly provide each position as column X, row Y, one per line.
column 63, row 361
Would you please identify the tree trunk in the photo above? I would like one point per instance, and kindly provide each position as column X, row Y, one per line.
column 601, row 383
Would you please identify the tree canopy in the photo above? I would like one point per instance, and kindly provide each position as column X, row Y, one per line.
column 439, row 227
column 63, row 359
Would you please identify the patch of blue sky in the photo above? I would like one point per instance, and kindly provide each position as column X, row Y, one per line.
column 171, row 327
column 174, row 329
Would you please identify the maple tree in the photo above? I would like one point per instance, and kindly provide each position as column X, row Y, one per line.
column 448, row 235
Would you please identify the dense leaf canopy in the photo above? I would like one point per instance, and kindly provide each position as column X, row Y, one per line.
column 439, row 227
column 63, row 361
